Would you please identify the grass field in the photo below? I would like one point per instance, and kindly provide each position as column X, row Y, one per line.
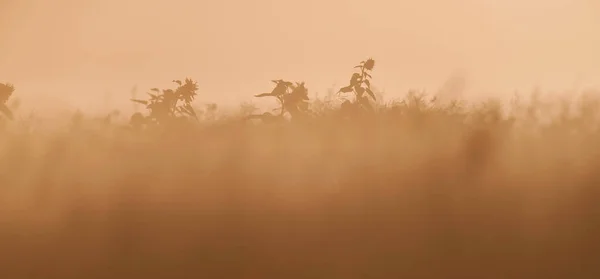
column 414, row 189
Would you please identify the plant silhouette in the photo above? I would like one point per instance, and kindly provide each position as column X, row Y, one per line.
column 6, row 90
column 360, row 84
column 292, row 97
column 168, row 104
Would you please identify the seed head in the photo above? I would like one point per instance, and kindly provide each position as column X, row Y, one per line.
column 370, row 64
column 6, row 91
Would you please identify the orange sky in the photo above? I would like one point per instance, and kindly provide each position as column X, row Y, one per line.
column 74, row 51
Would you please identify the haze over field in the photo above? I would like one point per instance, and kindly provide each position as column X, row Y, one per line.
column 421, row 188
column 74, row 52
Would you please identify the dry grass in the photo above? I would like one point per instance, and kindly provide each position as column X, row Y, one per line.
column 406, row 193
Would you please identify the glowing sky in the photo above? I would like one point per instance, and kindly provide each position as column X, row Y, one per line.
column 75, row 51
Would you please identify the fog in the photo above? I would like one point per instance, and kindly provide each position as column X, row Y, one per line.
column 76, row 53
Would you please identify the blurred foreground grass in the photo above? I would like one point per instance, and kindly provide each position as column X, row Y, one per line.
column 415, row 190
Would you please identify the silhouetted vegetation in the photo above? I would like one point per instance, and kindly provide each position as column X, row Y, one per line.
column 359, row 85
column 292, row 98
column 6, row 90
column 168, row 105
